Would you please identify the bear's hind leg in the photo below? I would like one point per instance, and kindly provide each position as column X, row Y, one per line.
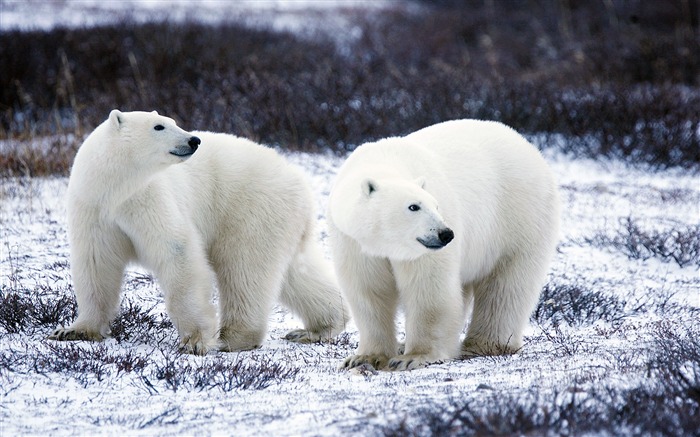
column 247, row 292
column 188, row 293
column 503, row 303
column 187, row 282
column 167, row 242
column 311, row 291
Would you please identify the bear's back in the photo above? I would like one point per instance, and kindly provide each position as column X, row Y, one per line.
column 505, row 191
column 229, row 176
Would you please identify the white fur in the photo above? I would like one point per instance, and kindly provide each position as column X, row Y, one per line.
column 488, row 185
column 235, row 213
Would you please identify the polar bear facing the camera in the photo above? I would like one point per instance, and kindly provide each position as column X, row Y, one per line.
column 197, row 209
column 457, row 215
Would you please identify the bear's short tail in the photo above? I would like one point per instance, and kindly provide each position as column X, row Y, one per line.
column 311, row 291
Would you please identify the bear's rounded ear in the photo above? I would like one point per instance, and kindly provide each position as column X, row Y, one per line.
column 154, row 112
column 369, row 187
column 420, row 181
column 116, row 118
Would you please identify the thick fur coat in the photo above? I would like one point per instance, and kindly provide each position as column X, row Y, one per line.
column 197, row 209
column 460, row 218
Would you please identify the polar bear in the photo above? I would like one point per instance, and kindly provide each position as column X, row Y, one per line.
column 196, row 209
column 457, row 216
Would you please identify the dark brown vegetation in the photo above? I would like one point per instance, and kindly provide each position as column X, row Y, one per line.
column 614, row 79
column 32, row 311
column 679, row 245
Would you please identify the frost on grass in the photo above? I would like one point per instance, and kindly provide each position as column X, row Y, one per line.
column 576, row 305
column 19, row 312
column 668, row 403
column 679, row 244
column 221, row 374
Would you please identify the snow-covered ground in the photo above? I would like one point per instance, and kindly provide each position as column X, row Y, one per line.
column 315, row 398
column 283, row 14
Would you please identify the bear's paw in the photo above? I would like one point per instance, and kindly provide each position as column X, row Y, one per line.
column 307, row 336
column 70, row 334
column 473, row 349
column 234, row 340
column 410, row 362
column 377, row 361
column 196, row 344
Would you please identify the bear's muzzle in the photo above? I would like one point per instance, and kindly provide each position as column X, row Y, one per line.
column 186, row 151
column 435, row 242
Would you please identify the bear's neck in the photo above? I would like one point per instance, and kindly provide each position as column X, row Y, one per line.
column 107, row 185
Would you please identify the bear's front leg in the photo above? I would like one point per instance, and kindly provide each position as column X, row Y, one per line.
column 97, row 269
column 167, row 243
column 502, row 307
column 370, row 289
column 187, row 285
column 249, row 279
column 431, row 296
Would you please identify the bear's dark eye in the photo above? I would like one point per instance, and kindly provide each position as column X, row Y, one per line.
column 414, row 208
column 159, row 127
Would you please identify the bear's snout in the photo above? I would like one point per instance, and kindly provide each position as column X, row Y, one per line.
column 186, row 151
column 446, row 235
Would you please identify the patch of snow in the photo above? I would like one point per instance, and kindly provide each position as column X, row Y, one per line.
column 289, row 15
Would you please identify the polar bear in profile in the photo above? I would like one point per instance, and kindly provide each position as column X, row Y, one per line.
column 457, row 216
column 197, row 209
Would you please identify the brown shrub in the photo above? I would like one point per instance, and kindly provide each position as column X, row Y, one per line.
column 619, row 82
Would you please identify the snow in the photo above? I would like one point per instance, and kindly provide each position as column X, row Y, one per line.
column 305, row 18
column 321, row 399
column 298, row 16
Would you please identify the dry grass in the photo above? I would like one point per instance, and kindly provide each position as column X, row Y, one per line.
column 677, row 244
column 619, row 81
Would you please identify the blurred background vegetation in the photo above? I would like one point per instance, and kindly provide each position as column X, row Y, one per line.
column 592, row 78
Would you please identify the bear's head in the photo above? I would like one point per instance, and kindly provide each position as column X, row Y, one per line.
column 393, row 218
column 149, row 140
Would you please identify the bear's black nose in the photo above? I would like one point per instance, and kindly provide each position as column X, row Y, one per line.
column 194, row 142
column 446, row 235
